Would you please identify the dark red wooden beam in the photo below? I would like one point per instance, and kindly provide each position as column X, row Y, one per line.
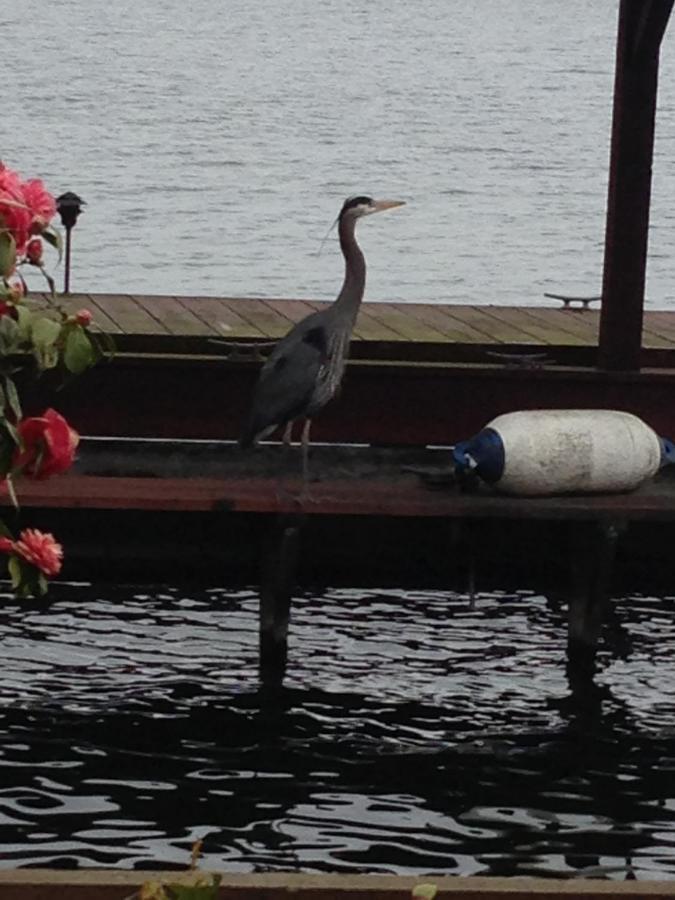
column 380, row 403
column 398, row 497
column 642, row 24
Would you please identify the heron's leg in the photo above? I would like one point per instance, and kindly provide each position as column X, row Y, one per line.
column 305, row 450
column 288, row 434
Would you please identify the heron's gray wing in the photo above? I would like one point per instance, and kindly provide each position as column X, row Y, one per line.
column 287, row 380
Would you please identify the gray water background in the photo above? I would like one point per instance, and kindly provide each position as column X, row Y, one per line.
column 215, row 140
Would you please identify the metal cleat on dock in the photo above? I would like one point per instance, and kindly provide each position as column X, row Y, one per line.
column 571, row 302
column 521, row 360
column 238, row 351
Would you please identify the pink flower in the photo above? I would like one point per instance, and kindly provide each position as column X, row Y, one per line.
column 34, row 251
column 6, row 545
column 41, row 204
column 40, row 550
column 83, row 317
column 25, row 207
column 15, row 214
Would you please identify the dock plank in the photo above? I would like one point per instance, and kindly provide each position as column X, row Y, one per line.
column 399, row 497
column 129, row 315
column 272, row 323
column 582, row 324
column 176, row 318
column 223, row 317
column 367, row 328
column 659, row 325
column 441, row 318
column 73, row 303
column 415, row 331
column 545, row 331
column 410, row 327
column 586, row 324
column 111, row 884
column 496, row 330
column 294, row 310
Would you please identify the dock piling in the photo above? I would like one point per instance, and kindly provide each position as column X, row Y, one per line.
column 278, row 574
column 593, row 551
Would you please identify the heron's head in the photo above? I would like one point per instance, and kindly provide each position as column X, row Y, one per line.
column 357, row 207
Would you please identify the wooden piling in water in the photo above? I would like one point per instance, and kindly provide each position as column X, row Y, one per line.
column 592, row 555
column 276, row 586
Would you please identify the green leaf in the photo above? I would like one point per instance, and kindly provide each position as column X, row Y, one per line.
column 25, row 323
column 203, row 890
column 50, row 281
column 13, row 398
column 15, row 571
column 54, row 237
column 424, row 891
column 9, row 481
column 11, row 431
column 7, row 253
column 45, row 334
column 79, row 353
column 4, row 531
column 9, row 334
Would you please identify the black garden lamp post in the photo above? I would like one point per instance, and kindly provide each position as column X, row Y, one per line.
column 69, row 206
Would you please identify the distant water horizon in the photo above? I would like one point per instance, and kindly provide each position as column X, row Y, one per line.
column 214, row 144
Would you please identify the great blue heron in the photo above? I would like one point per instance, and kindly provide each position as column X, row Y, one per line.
column 305, row 369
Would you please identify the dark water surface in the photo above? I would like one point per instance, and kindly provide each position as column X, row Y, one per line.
column 416, row 734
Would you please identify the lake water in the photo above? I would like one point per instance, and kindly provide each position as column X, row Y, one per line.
column 214, row 142
column 416, row 734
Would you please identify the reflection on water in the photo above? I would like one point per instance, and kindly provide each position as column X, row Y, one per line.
column 417, row 733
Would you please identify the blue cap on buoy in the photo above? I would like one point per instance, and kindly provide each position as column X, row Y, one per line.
column 667, row 451
column 482, row 454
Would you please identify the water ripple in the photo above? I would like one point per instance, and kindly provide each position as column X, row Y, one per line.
column 418, row 732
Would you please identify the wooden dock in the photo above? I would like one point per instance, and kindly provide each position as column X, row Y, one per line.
column 418, row 374
column 421, row 377
column 115, row 884
column 393, row 331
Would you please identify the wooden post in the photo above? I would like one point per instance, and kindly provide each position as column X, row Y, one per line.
column 279, row 564
column 593, row 550
column 642, row 24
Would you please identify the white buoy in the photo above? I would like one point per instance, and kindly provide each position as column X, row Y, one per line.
column 561, row 451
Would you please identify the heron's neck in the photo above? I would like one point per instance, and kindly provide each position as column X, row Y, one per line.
column 350, row 297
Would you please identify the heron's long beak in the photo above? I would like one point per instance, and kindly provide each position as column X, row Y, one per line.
column 381, row 205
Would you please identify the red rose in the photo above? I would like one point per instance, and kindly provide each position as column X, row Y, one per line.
column 83, row 317
column 49, row 445
column 34, row 251
column 40, row 550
